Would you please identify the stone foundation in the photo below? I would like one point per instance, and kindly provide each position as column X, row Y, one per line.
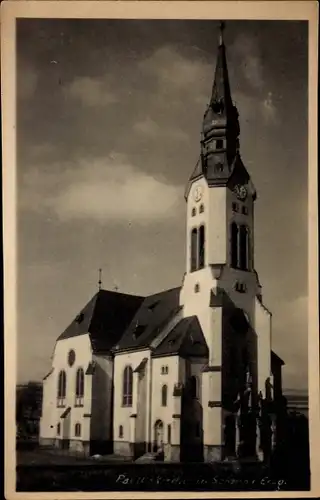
column 77, row 446
column 50, row 442
column 173, row 454
column 123, row 448
column 212, row 453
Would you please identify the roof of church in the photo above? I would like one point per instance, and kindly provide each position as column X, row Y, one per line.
column 105, row 317
column 154, row 313
column 186, row 339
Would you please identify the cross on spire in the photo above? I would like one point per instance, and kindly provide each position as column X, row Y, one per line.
column 222, row 26
column 100, row 281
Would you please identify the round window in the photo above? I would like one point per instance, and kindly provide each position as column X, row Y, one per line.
column 71, row 357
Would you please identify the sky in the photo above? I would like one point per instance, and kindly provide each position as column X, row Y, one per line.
column 109, row 115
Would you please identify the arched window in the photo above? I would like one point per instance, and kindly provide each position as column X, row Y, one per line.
column 201, row 247
column 79, row 387
column 234, row 245
column 244, row 247
column 120, row 431
column 127, row 386
column 193, row 387
column 62, row 387
column 169, row 434
column 77, row 430
column 201, row 209
column 194, row 250
column 164, row 395
column 58, row 429
column 193, row 212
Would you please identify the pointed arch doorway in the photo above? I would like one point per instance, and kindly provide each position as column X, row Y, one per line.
column 158, row 435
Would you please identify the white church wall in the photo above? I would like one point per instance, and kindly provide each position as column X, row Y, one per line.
column 211, row 392
column 121, row 414
column 48, row 421
column 83, row 355
column 217, row 226
column 263, row 331
column 159, row 412
column 102, row 387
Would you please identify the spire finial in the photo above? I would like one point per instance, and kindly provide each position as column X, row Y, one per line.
column 100, row 281
column 222, row 26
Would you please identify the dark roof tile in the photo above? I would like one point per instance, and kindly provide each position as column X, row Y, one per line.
column 186, row 339
column 154, row 313
column 105, row 318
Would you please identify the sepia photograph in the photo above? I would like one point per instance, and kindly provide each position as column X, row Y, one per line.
column 161, row 204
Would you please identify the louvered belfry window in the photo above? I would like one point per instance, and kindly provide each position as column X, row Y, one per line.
column 127, row 386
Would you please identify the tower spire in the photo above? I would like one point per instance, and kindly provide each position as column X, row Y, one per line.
column 100, row 280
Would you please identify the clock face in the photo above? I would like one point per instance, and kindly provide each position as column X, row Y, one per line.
column 197, row 193
column 71, row 357
column 241, row 192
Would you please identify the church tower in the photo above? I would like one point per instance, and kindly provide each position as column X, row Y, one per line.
column 220, row 285
column 220, row 207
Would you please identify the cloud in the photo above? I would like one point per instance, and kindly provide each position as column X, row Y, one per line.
column 246, row 50
column 91, row 92
column 151, row 129
column 103, row 189
column 172, row 69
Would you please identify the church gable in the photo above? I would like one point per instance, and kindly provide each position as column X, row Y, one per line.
column 105, row 318
column 186, row 339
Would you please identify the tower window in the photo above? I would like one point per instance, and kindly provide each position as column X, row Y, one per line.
column 58, row 429
column 194, row 244
column 201, row 209
column 120, row 431
column 245, row 210
column 218, row 167
column 193, row 212
column 197, row 288
column 235, row 207
column 234, row 245
column 240, row 287
column 77, row 430
column 164, row 395
column 219, row 144
column 201, row 247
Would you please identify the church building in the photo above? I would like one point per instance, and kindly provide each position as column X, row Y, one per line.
column 188, row 373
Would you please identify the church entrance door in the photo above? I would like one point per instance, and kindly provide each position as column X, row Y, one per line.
column 158, row 431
